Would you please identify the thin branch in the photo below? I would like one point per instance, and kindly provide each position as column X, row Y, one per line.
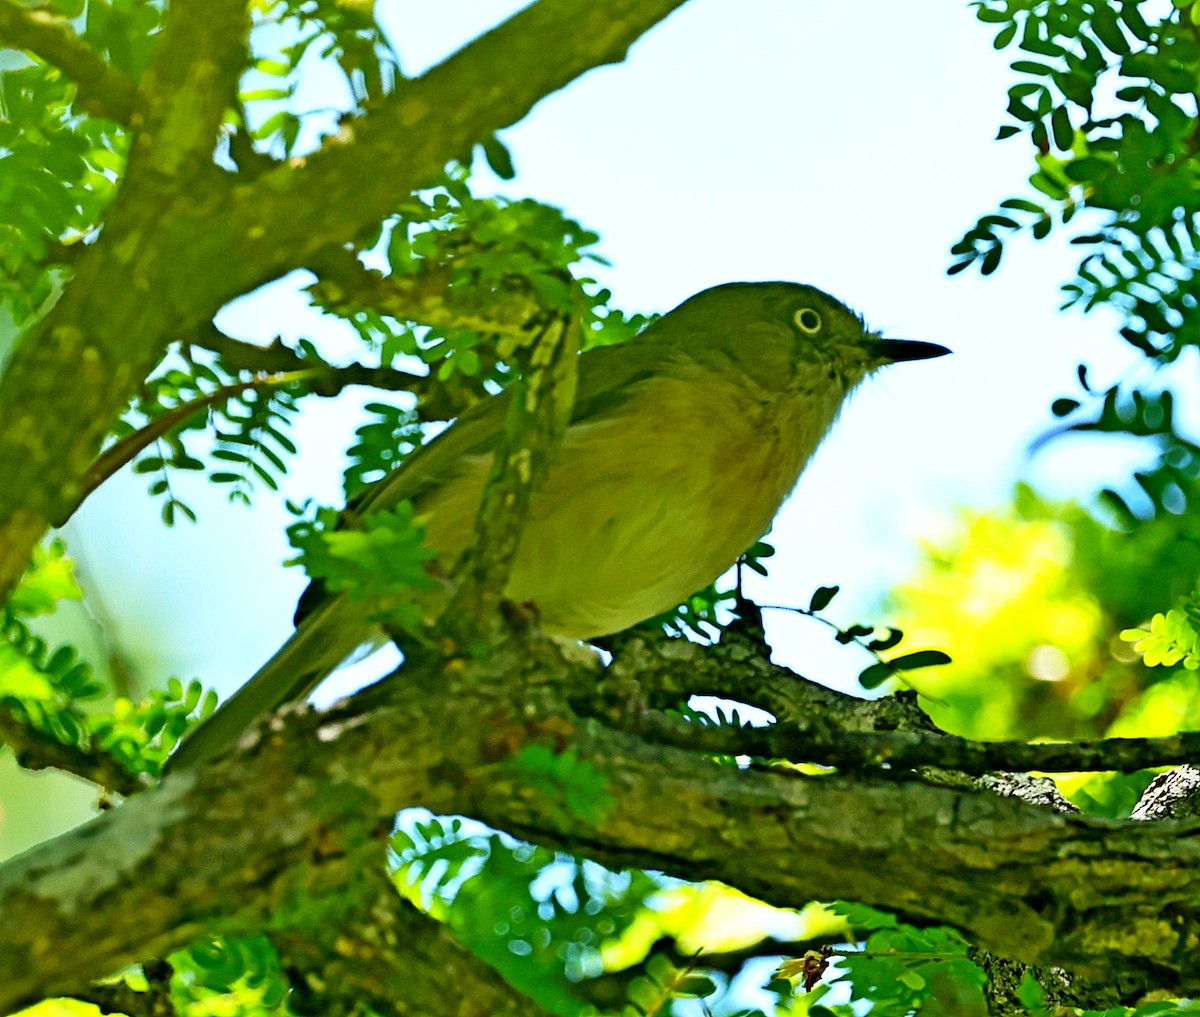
column 251, row 163
column 538, row 417
column 100, row 89
column 666, row 672
column 321, row 379
column 121, row 453
column 36, row 750
column 895, row 751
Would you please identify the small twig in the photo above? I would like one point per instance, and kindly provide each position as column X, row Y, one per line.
column 36, row 750
column 288, row 366
column 101, row 90
column 845, row 636
column 251, row 163
column 323, row 379
column 124, row 451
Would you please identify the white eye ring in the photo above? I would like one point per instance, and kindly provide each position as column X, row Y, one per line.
column 808, row 320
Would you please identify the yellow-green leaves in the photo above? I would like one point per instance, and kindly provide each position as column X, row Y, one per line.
column 382, row 563
column 1172, row 639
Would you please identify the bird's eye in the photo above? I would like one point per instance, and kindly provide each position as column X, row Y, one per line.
column 807, row 320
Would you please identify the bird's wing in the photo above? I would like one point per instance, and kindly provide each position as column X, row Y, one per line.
column 328, row 628
column 607, row 377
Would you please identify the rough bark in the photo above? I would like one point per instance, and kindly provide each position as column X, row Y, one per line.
column 271, row 836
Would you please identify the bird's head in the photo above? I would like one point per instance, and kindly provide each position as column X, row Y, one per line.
column 784, row 335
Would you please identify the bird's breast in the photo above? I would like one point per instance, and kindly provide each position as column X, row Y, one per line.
column 650, row 502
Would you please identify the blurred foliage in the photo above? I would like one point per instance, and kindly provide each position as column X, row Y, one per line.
column 537, row 917
column 580, row 938
column 897, row 967
column 1031, row 603
column 58, row 172
column 290, row 36
column 241, row 976
column 55, row 693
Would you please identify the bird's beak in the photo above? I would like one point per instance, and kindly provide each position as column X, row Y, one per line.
column 906, row 349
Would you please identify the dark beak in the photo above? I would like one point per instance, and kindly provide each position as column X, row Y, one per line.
column 896, row 350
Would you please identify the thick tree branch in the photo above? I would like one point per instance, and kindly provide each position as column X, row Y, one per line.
column 396, row 960
column 187, row 88
column 182, row 239
column 292, row 815
column 99, row 89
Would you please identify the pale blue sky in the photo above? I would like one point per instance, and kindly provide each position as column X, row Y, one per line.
column 763, row 139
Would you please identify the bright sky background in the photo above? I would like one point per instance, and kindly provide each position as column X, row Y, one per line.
column 762, row 139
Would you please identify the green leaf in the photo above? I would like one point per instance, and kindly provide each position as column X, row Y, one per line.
column 822, row 598
column 276, row 68
column 875, row 675
column 498, row 157
column 1061, row 129
column 918, row 659
column 258, row 94
column 577, row 785
column 1108, row 29
column 887, row 642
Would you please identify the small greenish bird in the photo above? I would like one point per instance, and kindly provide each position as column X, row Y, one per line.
column 682, row 445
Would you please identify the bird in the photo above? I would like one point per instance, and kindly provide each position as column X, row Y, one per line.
column 682, row 444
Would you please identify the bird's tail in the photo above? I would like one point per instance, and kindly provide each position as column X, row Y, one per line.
column 327, row 635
